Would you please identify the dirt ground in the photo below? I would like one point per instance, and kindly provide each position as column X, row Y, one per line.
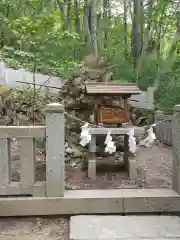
column 155, row 166
column 154, row 170
column 34, row 229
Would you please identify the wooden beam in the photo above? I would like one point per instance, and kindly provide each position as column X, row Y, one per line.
column 116, row 131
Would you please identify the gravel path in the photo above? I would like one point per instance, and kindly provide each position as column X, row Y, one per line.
column 154, row 167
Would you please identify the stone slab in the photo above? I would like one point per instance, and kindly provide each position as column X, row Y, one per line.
column 102, row 201
column 124, row 227
column 150, row 200
column 73, row 202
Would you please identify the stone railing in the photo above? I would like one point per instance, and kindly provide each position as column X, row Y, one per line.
column 54, row 130
column 54, row 134
column 169, row 132
column 163, row 127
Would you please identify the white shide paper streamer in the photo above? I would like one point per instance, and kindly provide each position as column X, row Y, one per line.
column 110, row 145
column 85, row 136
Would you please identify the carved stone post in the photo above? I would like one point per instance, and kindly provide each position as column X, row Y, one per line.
column 176, row 149
column 55, row 150
column 158, row 129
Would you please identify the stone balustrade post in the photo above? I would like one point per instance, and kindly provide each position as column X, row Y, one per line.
column 158, row 115
column 176, row 149
column 55, row 138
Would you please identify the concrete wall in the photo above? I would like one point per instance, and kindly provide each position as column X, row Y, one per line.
column 145, row 99
column 10, row 76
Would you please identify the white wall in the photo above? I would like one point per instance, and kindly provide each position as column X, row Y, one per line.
column 145, row 99
column 11, row 75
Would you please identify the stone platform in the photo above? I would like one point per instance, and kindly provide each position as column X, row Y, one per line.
column 124, row 227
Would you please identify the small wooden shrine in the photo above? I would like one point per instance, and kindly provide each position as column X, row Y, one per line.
column 111, row 115
column 106, row 114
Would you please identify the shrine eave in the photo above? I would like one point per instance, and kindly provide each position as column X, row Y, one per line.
column 115, row 89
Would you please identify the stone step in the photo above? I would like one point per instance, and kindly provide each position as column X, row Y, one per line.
column 94, row 227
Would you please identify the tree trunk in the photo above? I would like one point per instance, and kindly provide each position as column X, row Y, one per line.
column 142, row 22
column 136, row 31
column 68, row 16
column 87, row 26
column 105, row 9
column 125, row 30
column 94, row 32
column 77, row 18
column 63, row 14
column 177, row 35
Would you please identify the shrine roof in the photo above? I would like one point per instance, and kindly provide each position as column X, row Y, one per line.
column 104, row 88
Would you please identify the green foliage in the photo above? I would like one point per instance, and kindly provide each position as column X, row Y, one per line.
column 39, row 43
column 31, row 103
column 168, row 92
